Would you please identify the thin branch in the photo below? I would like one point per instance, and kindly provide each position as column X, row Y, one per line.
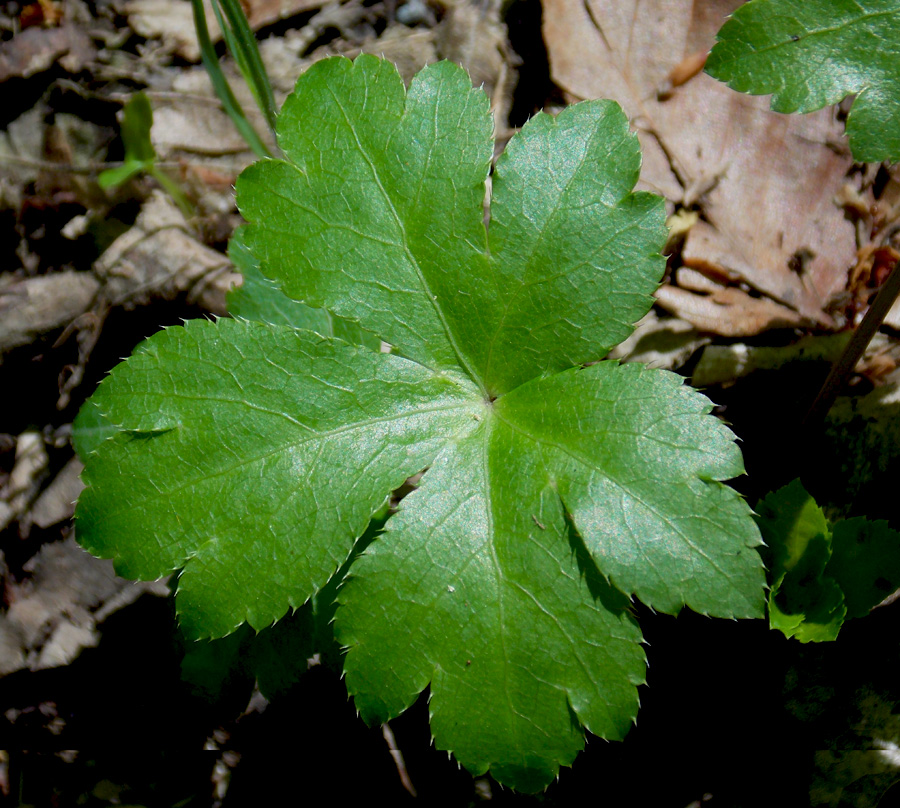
column 397, row 755
column 842, row 369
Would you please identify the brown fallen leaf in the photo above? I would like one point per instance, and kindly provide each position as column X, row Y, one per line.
column 728, row 311
column 34, row 50
column 33, row 306
column 765, row 182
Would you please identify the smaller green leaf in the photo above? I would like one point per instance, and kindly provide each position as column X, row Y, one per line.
column 865, row 561
column 808, row 605
column 137, row 120
column 803, row 601
column 812, row 53
column 114, row 177
column 280, row 653
column 822, row 574
column 215, row 669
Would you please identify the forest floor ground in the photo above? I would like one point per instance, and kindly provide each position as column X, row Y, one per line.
column 778, row 240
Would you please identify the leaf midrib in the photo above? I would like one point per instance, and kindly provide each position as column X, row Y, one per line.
column 162, row 493
column 432, row 299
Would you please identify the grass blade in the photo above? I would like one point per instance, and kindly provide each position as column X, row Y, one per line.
column 221, row 86
column 242, row 43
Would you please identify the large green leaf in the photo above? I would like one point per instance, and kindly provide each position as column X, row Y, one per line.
column 811, row 53
column 252, row 455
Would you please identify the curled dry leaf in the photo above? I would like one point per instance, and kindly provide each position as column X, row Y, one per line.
column 727, row 311
column 159, row 257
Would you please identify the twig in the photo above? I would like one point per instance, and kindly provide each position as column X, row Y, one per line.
column 397, row 755
column 854, row 350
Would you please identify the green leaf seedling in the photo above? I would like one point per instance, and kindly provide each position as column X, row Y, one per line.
column 250, row 456
column 140, row 156
column 821, row 572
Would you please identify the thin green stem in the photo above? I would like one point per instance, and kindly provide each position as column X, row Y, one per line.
column 172, row 189
column 841, row 369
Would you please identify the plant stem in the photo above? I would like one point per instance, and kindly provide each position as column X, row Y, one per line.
column 854, row 350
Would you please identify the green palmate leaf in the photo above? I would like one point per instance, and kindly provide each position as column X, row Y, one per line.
column 811, row 53
column 252, row 455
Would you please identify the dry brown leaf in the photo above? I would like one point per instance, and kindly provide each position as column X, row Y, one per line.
column 765, row 181
column 728, row 311
column 34, row 50
column 158, row 257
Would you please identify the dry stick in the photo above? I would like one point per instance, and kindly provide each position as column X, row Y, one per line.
column 397, row 755
column 854, row 350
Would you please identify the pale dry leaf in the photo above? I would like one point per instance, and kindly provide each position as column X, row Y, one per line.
column 660, row 342
column 30, row 307
column 35, row 49
column 728, row 311
column 55, row 613
column 57, row 501
column 158, row 257
column 25, row 478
